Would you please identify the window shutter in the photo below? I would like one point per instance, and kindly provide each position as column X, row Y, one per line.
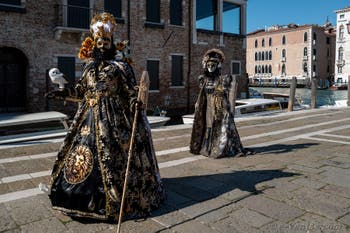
column 114, row 7
column 153, row 11
column 67, row 66
column 153, row 73
column 176, row 70
column 176, row 12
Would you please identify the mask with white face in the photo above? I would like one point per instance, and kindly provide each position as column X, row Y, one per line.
column 212, row 66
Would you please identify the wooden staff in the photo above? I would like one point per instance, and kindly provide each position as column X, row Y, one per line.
column 142, row 96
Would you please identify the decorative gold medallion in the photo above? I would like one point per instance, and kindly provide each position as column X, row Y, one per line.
column 78, row 165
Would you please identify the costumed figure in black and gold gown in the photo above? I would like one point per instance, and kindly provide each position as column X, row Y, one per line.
column 88, row 174
column 214, row 133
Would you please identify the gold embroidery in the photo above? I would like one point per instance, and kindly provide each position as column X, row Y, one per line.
column 92, row 102
column 78, row 165
column 85, row 131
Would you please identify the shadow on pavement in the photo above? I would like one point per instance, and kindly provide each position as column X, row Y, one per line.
column 281, row 148
column 183, row 192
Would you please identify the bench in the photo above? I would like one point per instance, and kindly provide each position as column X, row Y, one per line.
column 21, row 119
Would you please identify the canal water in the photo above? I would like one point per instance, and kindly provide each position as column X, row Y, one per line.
column 324, row 98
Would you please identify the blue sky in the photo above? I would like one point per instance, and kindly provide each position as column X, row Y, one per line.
column 265, row 13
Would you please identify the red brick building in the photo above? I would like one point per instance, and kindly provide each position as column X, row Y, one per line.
column 166, row 37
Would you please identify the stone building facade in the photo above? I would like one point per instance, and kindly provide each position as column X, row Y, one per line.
column 165, row 38
column 342, row 55
column 279, row 53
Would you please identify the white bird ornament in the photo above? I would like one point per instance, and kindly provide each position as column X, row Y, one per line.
column 57, row 77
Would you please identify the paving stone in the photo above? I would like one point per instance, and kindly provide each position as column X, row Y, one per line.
column 27, row 210
column 304, row 169
column 4, row 188
column 89, row 226
column 174, row 199
column 307, row 182
column 20, row 185
column 336, row 162
column 319, row 202
column 168, row 216
column 337, row 190
column 345, row 219
column 274, row 209
column 280, row 227
column 201, row 208
column 193, row 226
column 217, row 215
column 17, row 230
column 6, row 221
column 314, row 224
column 189, row 192
column 251, row 217
column 48, row 225
column 233, row 225
column 204, row 182
column 3, row 171
column 337, row 176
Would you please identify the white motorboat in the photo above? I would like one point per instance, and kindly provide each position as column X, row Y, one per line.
column 248, row 107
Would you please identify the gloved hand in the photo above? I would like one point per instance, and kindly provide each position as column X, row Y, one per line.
column 60, row 94
column 136, row 104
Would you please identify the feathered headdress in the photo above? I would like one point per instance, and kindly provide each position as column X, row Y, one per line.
column 213, row 55
column 102, row 25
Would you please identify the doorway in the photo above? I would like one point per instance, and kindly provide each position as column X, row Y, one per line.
column 13, row 70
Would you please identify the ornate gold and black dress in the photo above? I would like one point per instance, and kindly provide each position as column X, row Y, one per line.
column 88, row 174
column 214, row 133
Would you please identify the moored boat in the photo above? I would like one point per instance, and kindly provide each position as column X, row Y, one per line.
column 248, row 107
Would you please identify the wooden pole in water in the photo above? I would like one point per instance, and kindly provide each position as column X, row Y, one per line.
column 233, row 93
column 348, row 102
column 313, row 92
column 291, row 99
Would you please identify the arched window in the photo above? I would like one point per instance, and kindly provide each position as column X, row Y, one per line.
column 266, row 55
column 284, row 40
column 314, row 36
column 341, row 32
column 259, row 56
column 305, row 67
column 266, row 69
column 283, row 53
column 340, row 53
column 262, row 56
column 270, row 69
column 256, row 43
column 284, row 69
column 263, row 70
column 259, row 70
column 263, row 42
column 256, row 69
column 270, row 55
column 256, row 56
column 305, row 51
column 270, row 41
column 305, row 36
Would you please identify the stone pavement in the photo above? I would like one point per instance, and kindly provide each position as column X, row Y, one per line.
column 299, row 181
